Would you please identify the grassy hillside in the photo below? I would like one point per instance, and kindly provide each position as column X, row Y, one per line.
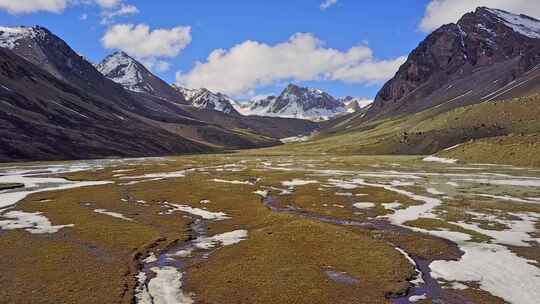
column 427, row 132
column 517, row 150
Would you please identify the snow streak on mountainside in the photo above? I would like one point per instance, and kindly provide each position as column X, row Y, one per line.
column 522, row 24
column 12, row 36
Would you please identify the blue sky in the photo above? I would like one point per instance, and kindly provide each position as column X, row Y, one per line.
column 387, row 29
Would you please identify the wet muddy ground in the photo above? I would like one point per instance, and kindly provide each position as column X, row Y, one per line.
column 269, row 229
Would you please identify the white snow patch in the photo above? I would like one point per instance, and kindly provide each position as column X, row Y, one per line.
column 207, row 215
column 224, row 239
column 496, row 269
column 411, row 213
column 298, row 182
column 436, row 159
column 391, row 206
column 113, row 214
column 434, row 191
column 35, row 223
column 414, row 299
column 262, row 193
column 364, row 205
column 519, row 23
column 166, row 287
column 234, row 182
column 510, row 198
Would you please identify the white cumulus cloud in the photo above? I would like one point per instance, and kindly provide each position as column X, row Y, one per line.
column 114, row 7
column 149, row 46
column 32, row 6
column 122, row 10
column 108, row 3
column 439, row 12
column 303, row 57
column 327, row 4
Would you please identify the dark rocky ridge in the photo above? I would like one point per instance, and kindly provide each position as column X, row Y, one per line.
column 461, row 64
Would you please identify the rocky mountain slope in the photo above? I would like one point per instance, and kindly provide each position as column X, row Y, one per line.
column 487, row 55
column 57, row 105
column 299, row 102
column 132, row 75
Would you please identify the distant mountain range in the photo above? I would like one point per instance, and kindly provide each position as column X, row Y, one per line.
column 304, row 103
column 57, row 105
column 293, row 102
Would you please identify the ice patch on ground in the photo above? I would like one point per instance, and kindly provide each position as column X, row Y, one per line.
column 411, row 213
column 166, row 287
column 224, row 239
column 434, row 191
column 518, row 233
column 510, row 198
column 414, row 299
column 505, row 182
column 234, row 182
column 298, row 182
column 364, row 205
column 496, row 269
column 436, row 159
column 391, row 206
column 150, row 259
column 207, row 215
column 113, row 214
column 262, row 193
column 157, row 176
column 35, row 223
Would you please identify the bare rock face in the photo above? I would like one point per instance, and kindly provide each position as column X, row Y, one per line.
column 487, row 41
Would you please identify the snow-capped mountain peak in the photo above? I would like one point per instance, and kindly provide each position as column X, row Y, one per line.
column 298, row 102
column 10, row 37
column 124, row 70
column 206, row 99
column 354, row 104
column 522, row 24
